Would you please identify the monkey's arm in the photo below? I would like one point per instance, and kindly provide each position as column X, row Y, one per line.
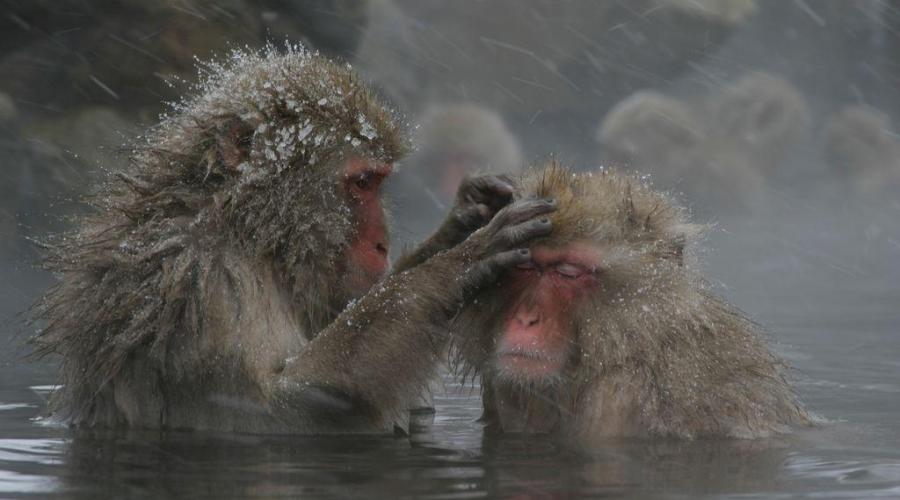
column 363, row 369
column 478, row 199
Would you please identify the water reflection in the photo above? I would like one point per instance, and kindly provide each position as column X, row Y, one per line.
column 447, row 456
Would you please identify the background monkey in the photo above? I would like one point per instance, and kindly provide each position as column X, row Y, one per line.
column 722, row 150
column 861, row 148
column 606, row 332
column 207, row 289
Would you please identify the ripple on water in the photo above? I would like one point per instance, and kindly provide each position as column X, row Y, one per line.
column 14, row 406
column 15, row 482
column 46, row 451
column 23, row 463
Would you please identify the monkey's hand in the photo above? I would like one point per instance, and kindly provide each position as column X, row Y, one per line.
column 478, row 199
column 347, row 375
column 496, row 247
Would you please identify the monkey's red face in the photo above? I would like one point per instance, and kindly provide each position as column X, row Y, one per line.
column 367, row 255
column 537, row 334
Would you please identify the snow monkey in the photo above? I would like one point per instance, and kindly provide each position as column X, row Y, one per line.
column 606, row 332
column 224, row 281
column 721, row 149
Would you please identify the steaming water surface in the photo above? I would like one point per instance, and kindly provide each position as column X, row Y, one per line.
column 841, row 343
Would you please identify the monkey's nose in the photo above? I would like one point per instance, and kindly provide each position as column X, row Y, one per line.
column 381, row 248
column 528, row 318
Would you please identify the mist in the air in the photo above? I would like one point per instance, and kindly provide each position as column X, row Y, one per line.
column 776, row 122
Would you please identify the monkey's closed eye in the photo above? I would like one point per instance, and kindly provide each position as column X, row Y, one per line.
column 570, row 270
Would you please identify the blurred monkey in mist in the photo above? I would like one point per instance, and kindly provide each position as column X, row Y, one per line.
column 223, row 282
column 649, row 128
column 608, row 331
column 862, row 149
column 720, row 149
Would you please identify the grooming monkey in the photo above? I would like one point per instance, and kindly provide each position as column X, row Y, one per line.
column 224, row 281
column 607, row 333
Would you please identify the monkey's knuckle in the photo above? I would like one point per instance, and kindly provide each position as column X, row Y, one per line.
column 525, row 210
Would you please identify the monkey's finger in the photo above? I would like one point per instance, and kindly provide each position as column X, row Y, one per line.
column 490, row 190
column 507, row 179
column 474, row 216
column 520, row 234
column 524, row 210
column 488, row 270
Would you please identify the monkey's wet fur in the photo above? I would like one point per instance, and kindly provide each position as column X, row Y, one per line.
column 223, row 281
column 234, row 279
column 610, row 332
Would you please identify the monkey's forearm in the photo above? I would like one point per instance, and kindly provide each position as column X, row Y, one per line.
column 444, row 238
column 380, row 352
column 378, row 355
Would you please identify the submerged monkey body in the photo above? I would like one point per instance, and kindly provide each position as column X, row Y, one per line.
column 607, row 333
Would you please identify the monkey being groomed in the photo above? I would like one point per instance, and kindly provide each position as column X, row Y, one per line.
column 607, row 333
column 223, row 282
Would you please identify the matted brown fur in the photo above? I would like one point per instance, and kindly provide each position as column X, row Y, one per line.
column 228, row 220
column 655, row 353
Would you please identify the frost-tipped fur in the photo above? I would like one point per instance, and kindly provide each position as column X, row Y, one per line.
column 229, row 220
column 655, row 353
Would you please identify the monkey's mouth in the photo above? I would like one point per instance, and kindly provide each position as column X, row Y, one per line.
column 520, row 362
column 367, row 263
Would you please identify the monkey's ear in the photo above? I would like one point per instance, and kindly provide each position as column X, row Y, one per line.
column 232, row 138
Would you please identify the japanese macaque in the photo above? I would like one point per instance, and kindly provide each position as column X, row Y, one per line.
column 720, row 150
column 649, row 128
column 607, row 332
column 223, row 282
column 764, row 114
column 863, row 150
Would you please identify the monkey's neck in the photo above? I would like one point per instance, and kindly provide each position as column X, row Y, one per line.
column 515, row 409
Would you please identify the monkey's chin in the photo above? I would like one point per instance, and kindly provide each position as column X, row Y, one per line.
column 527, row 367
